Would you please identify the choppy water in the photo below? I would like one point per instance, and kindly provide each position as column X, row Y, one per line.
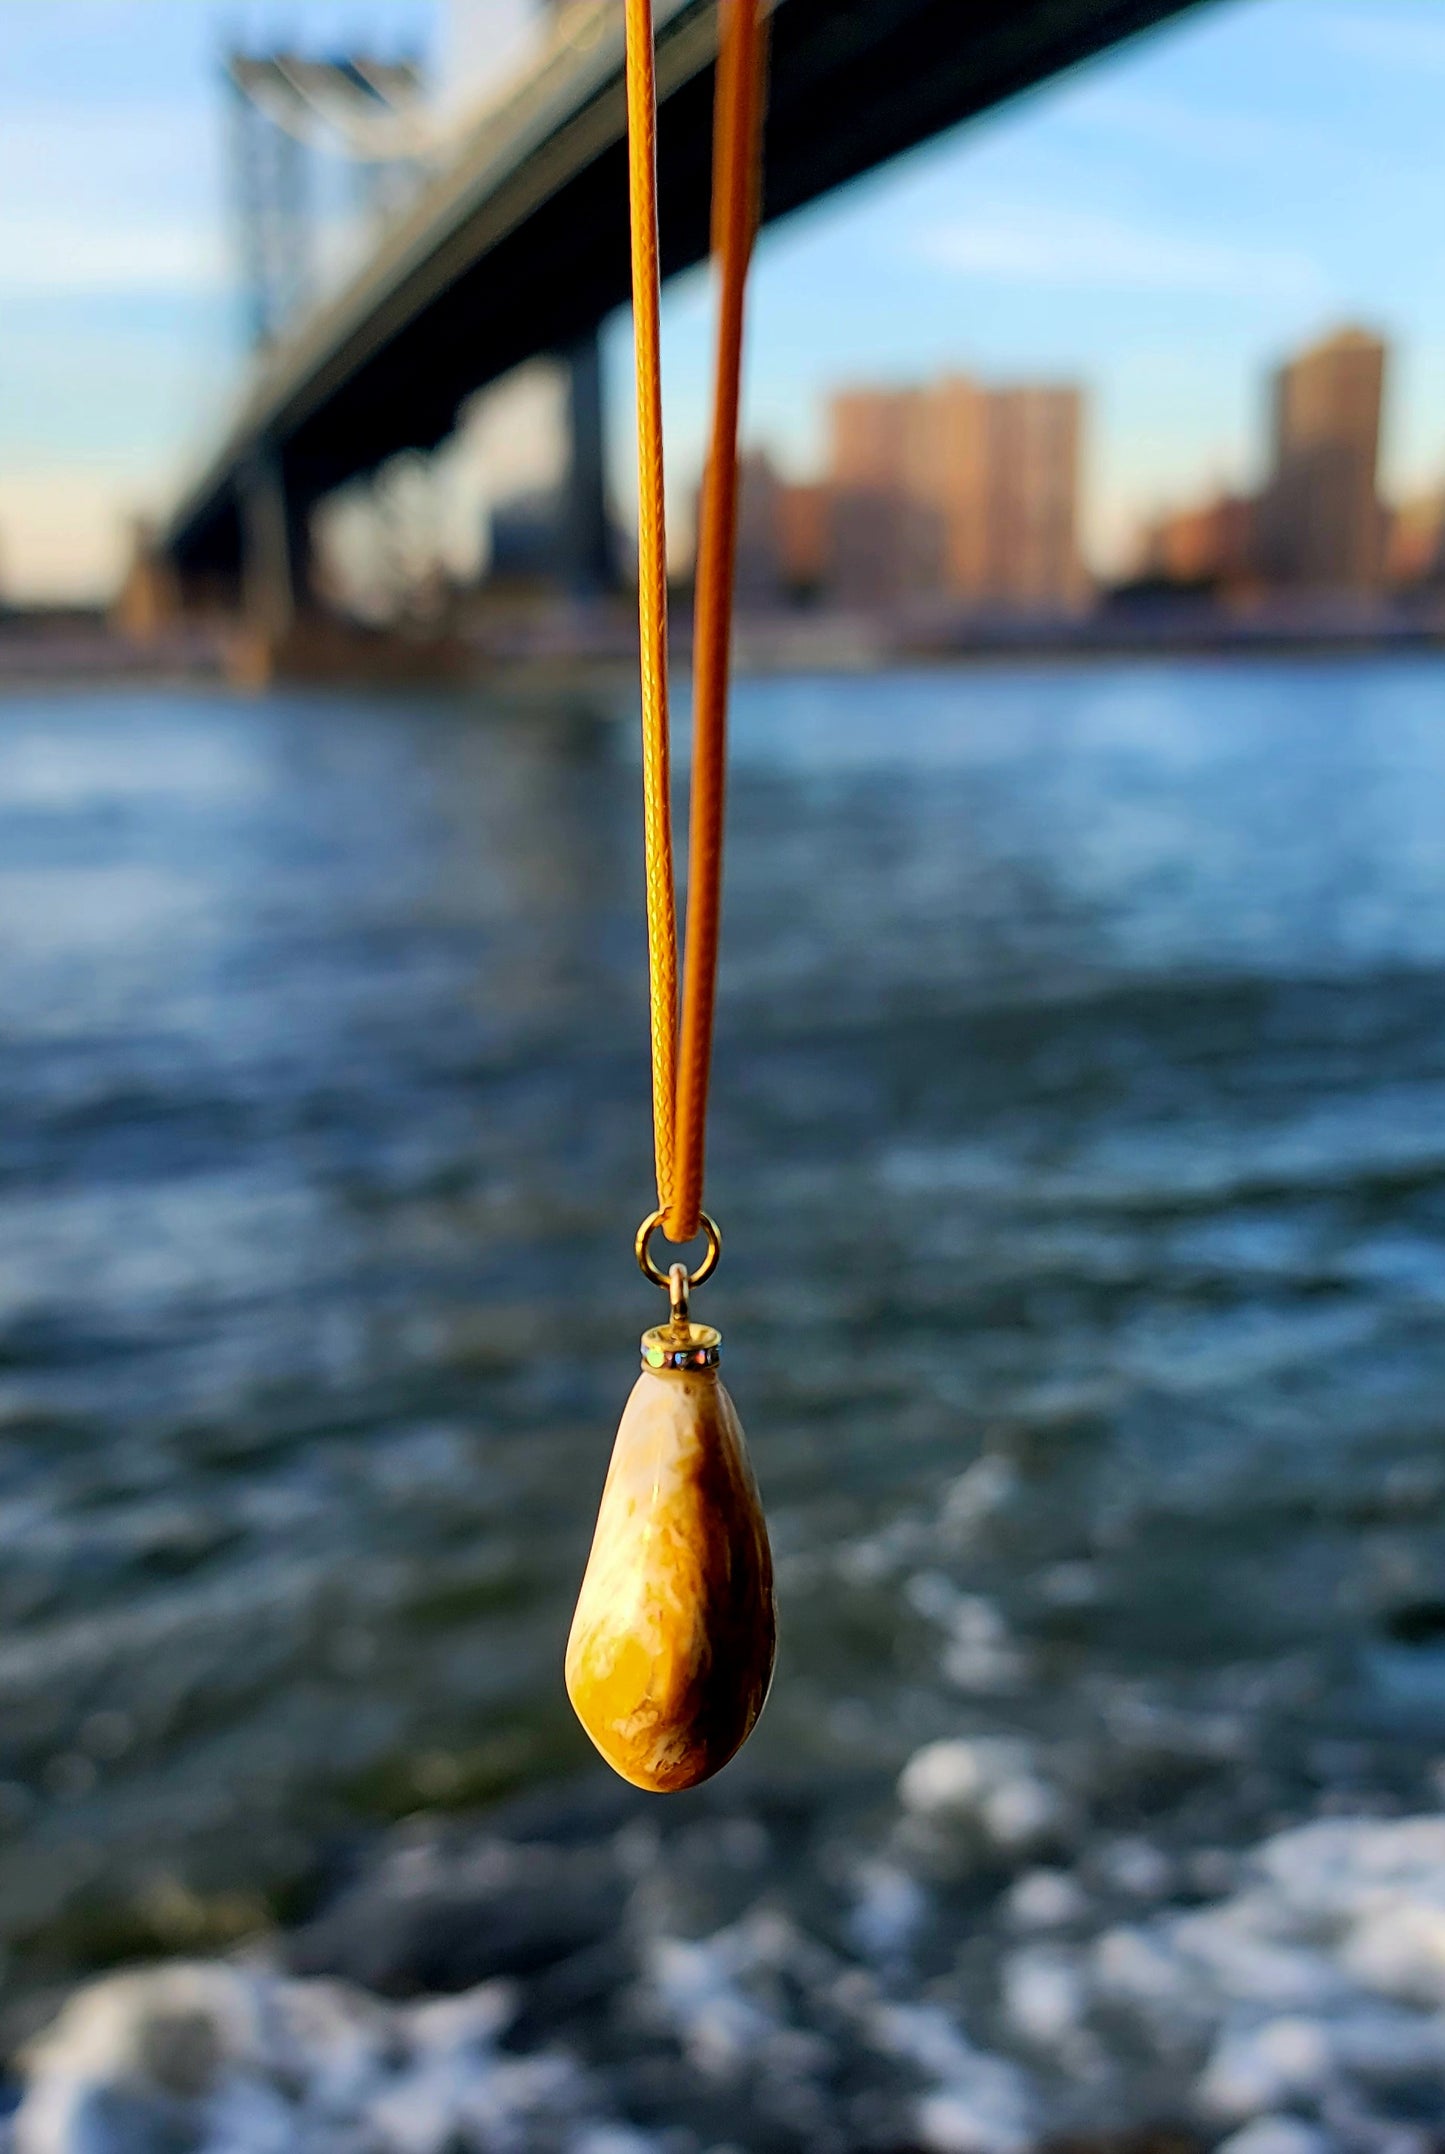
column 1080, row 1141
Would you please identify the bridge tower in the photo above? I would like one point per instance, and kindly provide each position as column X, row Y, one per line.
column 268, row 176
column 283, row 108
column 483, row 43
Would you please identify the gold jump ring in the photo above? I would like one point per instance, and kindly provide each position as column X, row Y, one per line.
column 649, row 1269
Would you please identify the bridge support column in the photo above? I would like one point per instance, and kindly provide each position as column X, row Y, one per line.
column 589, row 559
column 275, row 548
column 275, row 564
column 149, row 604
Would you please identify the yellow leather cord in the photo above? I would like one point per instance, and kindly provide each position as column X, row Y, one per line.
column 652, row 587
column 682, row 1056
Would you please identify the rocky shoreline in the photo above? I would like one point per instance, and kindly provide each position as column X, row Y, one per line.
column 996, row 1976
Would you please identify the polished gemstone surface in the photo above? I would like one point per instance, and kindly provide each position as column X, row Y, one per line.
column 672, row 1642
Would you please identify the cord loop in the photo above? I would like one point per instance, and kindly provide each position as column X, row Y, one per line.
column 648, row 1266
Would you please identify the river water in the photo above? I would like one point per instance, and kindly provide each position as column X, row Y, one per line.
column 1079, row 1139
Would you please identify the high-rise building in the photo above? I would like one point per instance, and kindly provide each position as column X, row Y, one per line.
column 884, row 536
column 1211, row 545
column 959, row 491
column 803, row 515
column 784, row 534
column 1415, row 552
column 958, row 468
column 1321, row 523
column 758, row 567
column 1031, row 461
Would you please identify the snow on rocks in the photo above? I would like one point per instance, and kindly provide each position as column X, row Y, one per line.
column 889, row 1910
column 222, row 2059
column 1316, row 1990
column 979, row 1654
column 732, row 1999
column 1309, row 1997
column 1033, row 1980
column 981, row 1797
column 1045, row 1899
column 701, row 1989
column 977, row 2103
column 1044, row 1995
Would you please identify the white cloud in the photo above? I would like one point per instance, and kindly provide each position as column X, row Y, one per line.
column 83, row 145
column 1028, row 243
column 113, row 201
column 45, row 255
column 59, row 254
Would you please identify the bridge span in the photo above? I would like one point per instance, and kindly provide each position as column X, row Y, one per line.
column 519, row 246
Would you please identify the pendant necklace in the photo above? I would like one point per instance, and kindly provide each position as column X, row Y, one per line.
column 671, row 1649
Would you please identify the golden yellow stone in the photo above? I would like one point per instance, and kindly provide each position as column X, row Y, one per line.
column 671, row 1651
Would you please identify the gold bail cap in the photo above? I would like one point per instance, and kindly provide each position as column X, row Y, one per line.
column 681, row 1346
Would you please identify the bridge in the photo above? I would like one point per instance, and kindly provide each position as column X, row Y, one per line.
column 519, row 245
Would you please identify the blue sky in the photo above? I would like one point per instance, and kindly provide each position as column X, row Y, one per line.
column 1163, row 225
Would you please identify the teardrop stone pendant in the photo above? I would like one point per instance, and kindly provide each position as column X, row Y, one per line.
column 671, row 1651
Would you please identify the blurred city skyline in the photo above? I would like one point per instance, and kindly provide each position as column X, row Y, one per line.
column 966, row 495
column 970, row 492
column 1162, row 227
